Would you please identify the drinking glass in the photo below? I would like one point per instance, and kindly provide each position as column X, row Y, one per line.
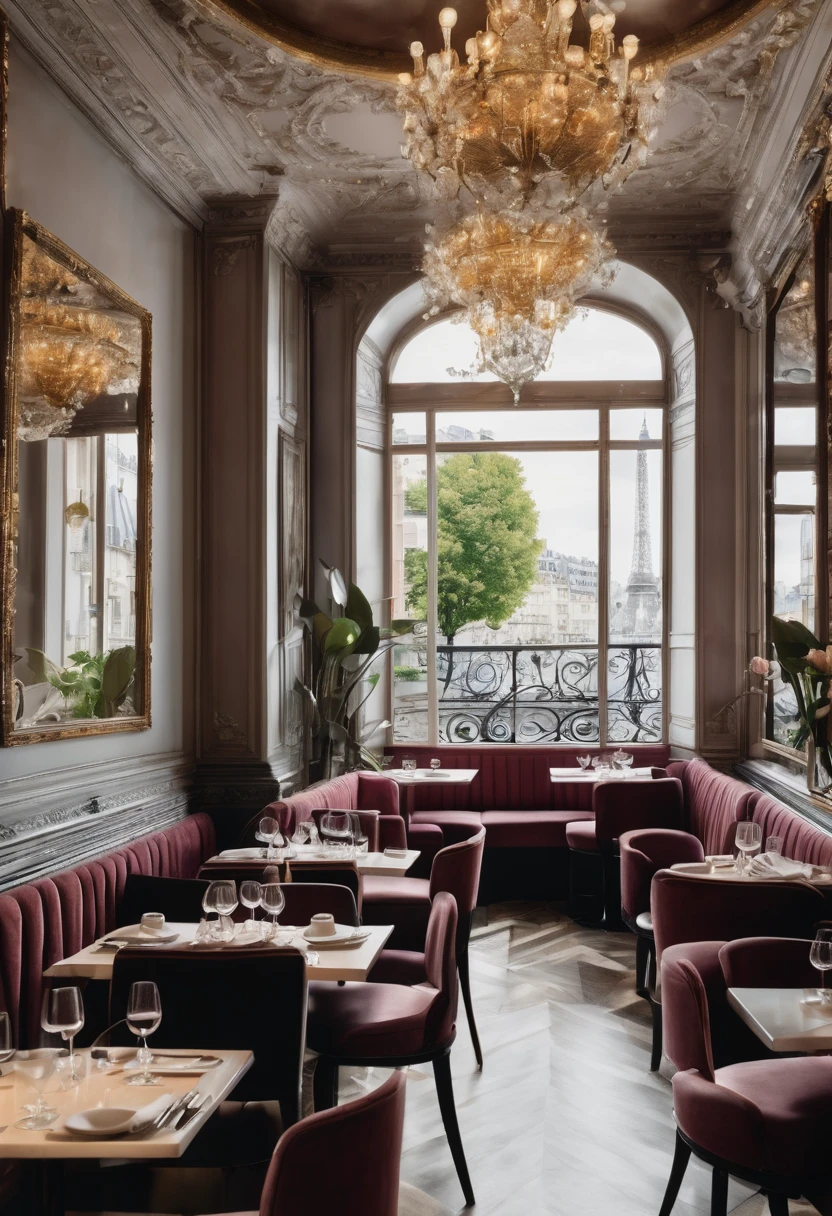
column 272, row 901
column 250, row 898
column 386, row 763
column 62, row 1012
column 820, row 956
column 6, row 1048
column 144, row 1016
column 268, row 831
column 435, row 763
column 38, row 1066
column 774, row 844
column 584, row 762
column 336, row 831
column 360, row 841
column 747, row 840
column 409, row 764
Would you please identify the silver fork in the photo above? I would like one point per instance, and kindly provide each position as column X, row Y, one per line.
column 178, row 1104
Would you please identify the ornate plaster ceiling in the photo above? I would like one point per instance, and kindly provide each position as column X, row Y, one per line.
column 372, row 36
column 210, row 113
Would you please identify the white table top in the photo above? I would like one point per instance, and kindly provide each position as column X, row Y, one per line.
column 780, row 1021
column 590, row 775
column 106, row 1087
column 352, row 963
column 427, row 776
column 728, row 873
column 365, row 863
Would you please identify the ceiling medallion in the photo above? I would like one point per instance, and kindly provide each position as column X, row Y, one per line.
column 518, row 278
column 530, row 112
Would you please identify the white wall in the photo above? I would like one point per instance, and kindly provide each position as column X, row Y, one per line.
column 67, row 178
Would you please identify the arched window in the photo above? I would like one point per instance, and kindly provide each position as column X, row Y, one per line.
column 530, row 540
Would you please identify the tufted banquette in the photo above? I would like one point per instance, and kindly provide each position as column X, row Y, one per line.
column 52, row 917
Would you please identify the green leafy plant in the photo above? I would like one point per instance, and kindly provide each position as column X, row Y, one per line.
column 94, row 685
column 410, row 673
column 345, row 649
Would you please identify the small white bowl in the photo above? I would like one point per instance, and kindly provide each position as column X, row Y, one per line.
column 101, row 1121
column 321, row 925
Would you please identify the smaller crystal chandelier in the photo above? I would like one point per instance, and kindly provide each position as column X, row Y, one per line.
column 518, row 279
column 530, row 109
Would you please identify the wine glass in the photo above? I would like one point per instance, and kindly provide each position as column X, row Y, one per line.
column 272, row 901
column 435, row 764
column 584, row 762
column 360, row 841
column 250, row 898
column 774, row 844
column 747, row 840
column 336, row 830
column 62, row 1012
column 6, row 1048
column 268, row 831
column 144, row 1016
column 38, row 1066
column 820, row 956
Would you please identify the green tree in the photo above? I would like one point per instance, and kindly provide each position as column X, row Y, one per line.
column 487, row 549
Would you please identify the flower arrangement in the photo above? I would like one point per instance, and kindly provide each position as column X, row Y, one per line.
column 805, row 664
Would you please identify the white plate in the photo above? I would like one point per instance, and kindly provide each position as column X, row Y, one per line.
column 135, row 933
column 168, row 1068
column 342, row 934
column 102, row 1122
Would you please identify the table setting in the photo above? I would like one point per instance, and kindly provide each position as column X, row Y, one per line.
column 609, row 766
column 754, row 864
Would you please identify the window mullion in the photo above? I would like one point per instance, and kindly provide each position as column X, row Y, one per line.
column 603, row 568
column 433, row 583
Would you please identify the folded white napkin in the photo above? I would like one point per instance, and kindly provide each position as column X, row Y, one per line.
column 242, row 854
column 388, row 852
column 146, row 1114
column 772, row 865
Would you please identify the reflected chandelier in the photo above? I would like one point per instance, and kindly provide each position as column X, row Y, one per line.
column 530, row 114
column 518, row 279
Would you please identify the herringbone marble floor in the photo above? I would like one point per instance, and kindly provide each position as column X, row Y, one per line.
column 565, row 1119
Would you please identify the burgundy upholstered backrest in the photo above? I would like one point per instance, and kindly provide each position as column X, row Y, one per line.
column 643, row 853
column 768, row 962
column 350, row 792
column 50, row 918
column 685, row 1027
column 369, row 824
column 305, row 899
column 321, row 1166
column 687, row 909
column 440, row 967
column 801, row 839
column 457, row 869
column 623, row 806
column 715, row 805
column 511, row 778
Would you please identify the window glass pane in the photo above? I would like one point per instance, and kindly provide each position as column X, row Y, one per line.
column 629, row 424
column 121, row 489
column 795, row 427
column 635, row 546
column 795, row 331
column 409, row 428
column 594, row 345
column 795, row 489
column 80, row 610
column 505, row 426
column 518, row 581
column 410, row 544
column 794, row 595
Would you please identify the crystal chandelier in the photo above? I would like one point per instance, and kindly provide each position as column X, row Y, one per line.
column 530, row 116
column 518, row 278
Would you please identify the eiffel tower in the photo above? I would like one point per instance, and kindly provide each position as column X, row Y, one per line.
column 637, row 621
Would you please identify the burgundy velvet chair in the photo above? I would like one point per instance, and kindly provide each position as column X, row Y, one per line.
column 395, row 1026
column 767, row 1122
column 341, row 873
column 406, row 902
column 179, row 899
column 619, row 807
column 642, row 854
column 768, row 962
column 305, row 899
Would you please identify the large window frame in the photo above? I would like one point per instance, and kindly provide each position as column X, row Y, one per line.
column 431, row 399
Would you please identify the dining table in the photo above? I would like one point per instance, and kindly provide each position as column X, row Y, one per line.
column 409, row 780
column 591, row 776
column 95, row 962
column 782, row 1019
column 43, row 1153
column 393, row 864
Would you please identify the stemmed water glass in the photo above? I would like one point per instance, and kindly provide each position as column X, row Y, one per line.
column 820, row 956
column 268, row 831
column 37, row 1066
column 62, row 1012
column 6, row 1047
column 220, row 897
column 250, row 893
column 272, row 901
column 144, row 1016
column 748, row 839
column 584, row 762
column 435, row 764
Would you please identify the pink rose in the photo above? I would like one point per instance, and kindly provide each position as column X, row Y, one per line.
column 759, row 666
column 818, row 660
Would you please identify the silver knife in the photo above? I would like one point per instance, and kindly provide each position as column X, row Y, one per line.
column 190, row 1112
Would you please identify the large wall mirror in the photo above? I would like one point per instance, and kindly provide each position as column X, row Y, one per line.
column 76, row 487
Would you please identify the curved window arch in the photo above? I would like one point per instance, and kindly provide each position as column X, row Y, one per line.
column 594, row 345
column 530, row 541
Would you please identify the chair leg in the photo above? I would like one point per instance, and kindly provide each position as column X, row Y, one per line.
column 719, row 1193
column 447, row 1106
column 325, row 1084
column 612, row 893
column 656, row 1052
column 778, row 1205
column 642, row 964
column 465, row 985
column 681, row 1157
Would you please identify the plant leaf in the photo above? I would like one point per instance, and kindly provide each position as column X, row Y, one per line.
column 358, row 608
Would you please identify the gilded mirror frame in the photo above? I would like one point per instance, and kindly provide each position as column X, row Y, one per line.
column 19, row 226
